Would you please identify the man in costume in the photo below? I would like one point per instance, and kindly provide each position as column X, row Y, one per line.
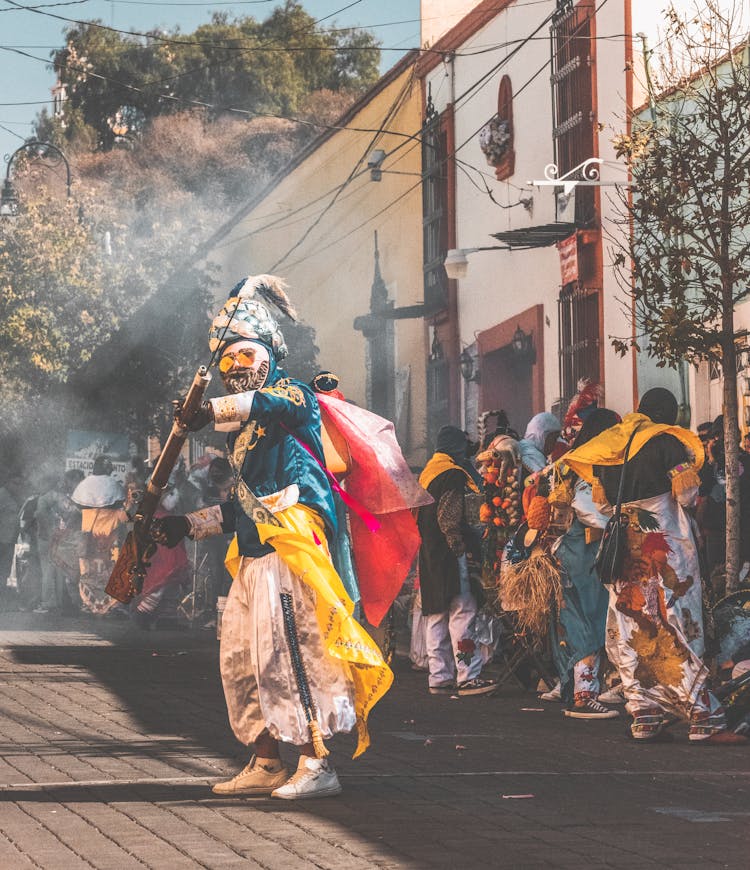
column 296, row 667
column 450, row 598
column 103, row 523
column 578, row 624
column 654, row 621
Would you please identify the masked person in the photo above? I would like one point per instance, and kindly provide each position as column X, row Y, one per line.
column 654, row 621
column 296, row 667
column 450, row 597
column 542, row 434
column 103, row 522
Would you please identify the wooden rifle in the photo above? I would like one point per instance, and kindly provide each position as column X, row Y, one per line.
column 126, row 580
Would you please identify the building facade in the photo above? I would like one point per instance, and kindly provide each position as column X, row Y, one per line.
column 517, row 88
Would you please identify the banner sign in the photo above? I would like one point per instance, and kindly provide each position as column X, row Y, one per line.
column 568, row 250
column 83, row 447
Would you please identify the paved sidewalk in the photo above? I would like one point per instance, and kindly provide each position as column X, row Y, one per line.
column 109, row 738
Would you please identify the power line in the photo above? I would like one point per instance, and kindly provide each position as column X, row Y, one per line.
column 443, row 160
column 390, row 114
column 199, row 104
column 416, row 136
column 477, row 84
column 45, row 5
column 173, row 40
column 12, row 132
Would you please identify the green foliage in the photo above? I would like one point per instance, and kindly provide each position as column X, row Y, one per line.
column 269, row 66
column 105, row 301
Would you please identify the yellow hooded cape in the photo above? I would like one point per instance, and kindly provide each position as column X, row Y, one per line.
column 609, row 447
column 439, row 463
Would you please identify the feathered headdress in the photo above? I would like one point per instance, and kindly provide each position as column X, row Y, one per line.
column 587, row 399
column 270, row 288
column 246, row 315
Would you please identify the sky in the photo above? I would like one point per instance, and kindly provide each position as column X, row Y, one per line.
column 23, row 80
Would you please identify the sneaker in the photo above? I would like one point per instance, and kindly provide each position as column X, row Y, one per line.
column 40, row 610
column 314, row 778
column 705, row 726
column 591, row 709
column 477, row 686
column 261, row 776
column 614, row 695
column 647, row 726
column 554, row 693
column 443, row 689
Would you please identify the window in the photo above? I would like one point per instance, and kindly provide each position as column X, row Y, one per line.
column 438, row 397
column 435, row 211
column 572, row 96
column 578, row 309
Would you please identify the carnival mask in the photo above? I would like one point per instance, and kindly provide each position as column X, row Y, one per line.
column 244, row 368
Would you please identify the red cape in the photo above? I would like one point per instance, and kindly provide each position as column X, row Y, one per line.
column 381, row 480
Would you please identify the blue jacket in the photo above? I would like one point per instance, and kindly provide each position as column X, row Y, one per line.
column 284, row 413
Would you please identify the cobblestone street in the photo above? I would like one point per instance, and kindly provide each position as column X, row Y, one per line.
column 109, row 739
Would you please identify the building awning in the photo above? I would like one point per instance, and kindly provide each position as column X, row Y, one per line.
column 536, row 237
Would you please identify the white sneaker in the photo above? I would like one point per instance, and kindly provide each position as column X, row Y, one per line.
column 554, row 694
column 615, row 695
column 314, row 778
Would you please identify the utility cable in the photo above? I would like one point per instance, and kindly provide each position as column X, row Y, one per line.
column 442, row 162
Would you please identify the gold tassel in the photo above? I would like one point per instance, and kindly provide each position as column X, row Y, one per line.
column 317, row 740
column 684, row 480
column 597, row 492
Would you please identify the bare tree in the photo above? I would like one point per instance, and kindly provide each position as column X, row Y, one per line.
column 688, row 244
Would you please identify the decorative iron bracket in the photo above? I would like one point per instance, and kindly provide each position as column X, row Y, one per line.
column 586, row 174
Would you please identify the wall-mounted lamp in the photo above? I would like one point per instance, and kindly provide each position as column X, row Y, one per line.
column 456, row 261
column 375, row 164
column 522, row 344
column 469, row 372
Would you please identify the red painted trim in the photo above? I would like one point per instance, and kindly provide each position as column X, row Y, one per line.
column 532, row 322
column 450, row 327
column 597, row 250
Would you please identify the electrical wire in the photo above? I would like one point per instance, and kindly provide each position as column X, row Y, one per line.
column 471, row 89
column 390, row 114
column 443, row 160
column 416, row 136
column 339, row 188
column 173, row 40
column 46, row 6
column 13, row 132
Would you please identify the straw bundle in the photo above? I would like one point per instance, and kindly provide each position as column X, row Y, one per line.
column 529, row 587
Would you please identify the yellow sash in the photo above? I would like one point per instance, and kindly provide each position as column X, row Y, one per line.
column 609, row 447
column 439, row 463
column 343, row 636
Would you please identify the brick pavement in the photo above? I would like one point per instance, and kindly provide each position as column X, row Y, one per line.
column 109, row 738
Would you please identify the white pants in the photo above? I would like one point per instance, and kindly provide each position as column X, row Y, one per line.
column 418, row 647
column 451, row 646
column 256, row 666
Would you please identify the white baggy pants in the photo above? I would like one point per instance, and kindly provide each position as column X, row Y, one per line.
column 452, row 650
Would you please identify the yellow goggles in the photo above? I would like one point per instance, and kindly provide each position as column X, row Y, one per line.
column 243, row 358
